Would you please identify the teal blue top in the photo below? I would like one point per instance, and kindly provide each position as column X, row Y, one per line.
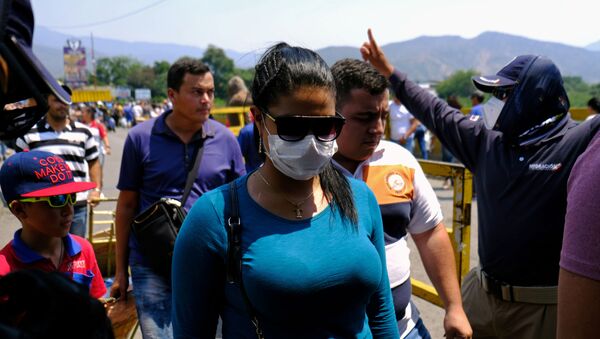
column 320, row 277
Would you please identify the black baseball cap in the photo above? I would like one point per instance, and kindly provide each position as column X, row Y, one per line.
column 26, row 75
column 506, row 77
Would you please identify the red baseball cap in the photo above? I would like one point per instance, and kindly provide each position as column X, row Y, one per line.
column 38, row 174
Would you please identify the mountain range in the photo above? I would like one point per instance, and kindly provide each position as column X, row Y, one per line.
column 425, row 58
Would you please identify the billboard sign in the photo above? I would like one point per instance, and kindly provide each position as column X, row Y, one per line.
column 75, row 64
column 142, row 94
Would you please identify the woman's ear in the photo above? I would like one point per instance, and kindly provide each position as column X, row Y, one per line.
column 256, row 113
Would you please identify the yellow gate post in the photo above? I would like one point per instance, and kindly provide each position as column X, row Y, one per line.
column 460, row 233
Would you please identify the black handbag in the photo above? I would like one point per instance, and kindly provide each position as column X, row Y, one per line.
column 156, row 227
column 233, row 273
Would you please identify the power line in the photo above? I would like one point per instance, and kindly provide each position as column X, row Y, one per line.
column 137, row 11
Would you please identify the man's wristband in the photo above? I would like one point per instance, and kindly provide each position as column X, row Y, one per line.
column 97, row 189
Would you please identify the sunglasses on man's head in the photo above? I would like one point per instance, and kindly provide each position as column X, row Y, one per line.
column 296, row 127
column 55, row 201
column 502, row 92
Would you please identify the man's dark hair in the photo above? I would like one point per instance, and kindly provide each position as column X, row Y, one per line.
column 182, row 66
column 89, row 110
column 594, row 103
column 38, row 304
column 352, row 74
column 478, row 96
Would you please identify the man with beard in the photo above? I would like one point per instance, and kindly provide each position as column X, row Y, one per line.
column 157, row 156
column 75, row 143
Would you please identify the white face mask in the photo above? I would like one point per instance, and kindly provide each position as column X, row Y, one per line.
column 491, row 111
column 300, row 160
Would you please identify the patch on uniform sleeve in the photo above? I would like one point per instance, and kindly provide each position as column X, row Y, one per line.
column 474, row 117
column 394, row 182
column 390, row 183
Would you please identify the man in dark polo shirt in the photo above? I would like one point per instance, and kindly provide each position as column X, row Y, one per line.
column 521, row 151
column 156, row 159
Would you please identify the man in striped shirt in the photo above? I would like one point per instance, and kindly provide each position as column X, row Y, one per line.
column 74, row 142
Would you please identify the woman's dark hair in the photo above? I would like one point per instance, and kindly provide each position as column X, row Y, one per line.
column 284, row 68
column 279, row 72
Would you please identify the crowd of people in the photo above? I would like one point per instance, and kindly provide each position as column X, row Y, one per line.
column 310, row 239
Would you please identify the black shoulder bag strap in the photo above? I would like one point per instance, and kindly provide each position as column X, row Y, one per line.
column 234, row 255
column 192, row 174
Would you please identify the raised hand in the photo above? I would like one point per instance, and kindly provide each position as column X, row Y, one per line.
column 372, row 53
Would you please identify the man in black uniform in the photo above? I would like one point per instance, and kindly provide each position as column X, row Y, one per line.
column 521, row 150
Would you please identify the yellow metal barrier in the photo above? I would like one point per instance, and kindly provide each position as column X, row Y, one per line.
column 91, row 95
column 104, row 244
column 103, row 241
column 232, row 117
column 460, row 232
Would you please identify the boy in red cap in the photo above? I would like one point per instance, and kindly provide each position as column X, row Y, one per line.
column 40, row 191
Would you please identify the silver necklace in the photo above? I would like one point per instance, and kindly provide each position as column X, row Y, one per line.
column 298, row 210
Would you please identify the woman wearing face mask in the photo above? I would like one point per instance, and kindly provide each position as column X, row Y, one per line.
column 312, row 249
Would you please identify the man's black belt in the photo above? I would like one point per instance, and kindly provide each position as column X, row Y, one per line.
column 524, row 294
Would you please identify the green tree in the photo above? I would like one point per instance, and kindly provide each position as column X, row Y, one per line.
column 159, row 87
column 221, row 67
column 595, row 90
column 115, row 70
column 247, row 74
column 579, row 91
column 459, row 84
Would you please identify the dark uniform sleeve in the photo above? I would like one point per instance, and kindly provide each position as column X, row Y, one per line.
column 461, row 134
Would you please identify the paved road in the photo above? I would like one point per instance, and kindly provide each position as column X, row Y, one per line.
column 432, row 315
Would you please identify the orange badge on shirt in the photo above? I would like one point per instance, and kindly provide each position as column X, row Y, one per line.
column 391, row 184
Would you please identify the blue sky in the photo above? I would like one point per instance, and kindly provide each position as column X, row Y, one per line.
column 254, row 25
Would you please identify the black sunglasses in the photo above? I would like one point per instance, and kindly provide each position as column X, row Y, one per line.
column 296, row 127
column 502, row 92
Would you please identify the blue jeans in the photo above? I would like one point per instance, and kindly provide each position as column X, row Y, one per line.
column 420, row 137
column 418, row 332
column 409, row 144
column 79, row 225
column 152, row 300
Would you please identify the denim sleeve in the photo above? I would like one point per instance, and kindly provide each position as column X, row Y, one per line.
column 198, row 272
column 380, row 310
column 461, row 134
